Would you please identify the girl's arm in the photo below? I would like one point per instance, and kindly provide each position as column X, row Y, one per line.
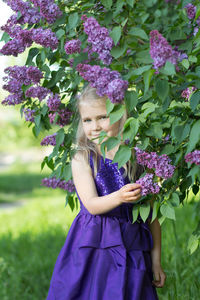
column 85, row 186
column 159, row 275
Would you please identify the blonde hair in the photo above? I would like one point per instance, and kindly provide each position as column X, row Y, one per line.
column 86, row 146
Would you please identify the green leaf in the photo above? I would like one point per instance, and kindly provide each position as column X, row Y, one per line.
column 66, row 172
column 144, row 211
column 116, row 34
column 195, row 100
column 155, row 210
column 194, row 136
column 37, row 120
column 138, row 32
column 60, row 33
column 167, row 211
column 162, row 89
column 117, row 113
column 193, row 243
column 111, row 142
column 194, row 173
column 116, row 52
column 122, row 155
column 31, row 54
column 109, row 106
column 131, row 129
column 60, row 135
column 130, row 2
column 185, row 63
column 131, row 100
column 147, row 79
column 73, row 20
column 5, row 37
column 141, row 70
column 135, row 212
column 169, row 69
column 107, row 3
column 174, row 200
column 168, row 149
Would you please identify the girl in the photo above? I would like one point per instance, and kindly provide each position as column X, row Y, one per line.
column 105, row 256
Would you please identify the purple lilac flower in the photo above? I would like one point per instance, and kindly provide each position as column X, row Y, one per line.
column 191, row 11
column 196, row 30
column 29, row 114
column 49, row 10
column 107, row 83
column 13, row 99
column 57, row 183
column 148, row 185
column 64, row 117
column 187, row 92
column 161, row 164
column 45, row 37
column 49, row 140
column 37, row 92
column 73, row 46
column 34, row 74
column 54, row 102
column 29, row 14
column 16, row 77
column 115, row 90
column 99, row 39
column 161, row 51
column 13, row 47
column 193, row 157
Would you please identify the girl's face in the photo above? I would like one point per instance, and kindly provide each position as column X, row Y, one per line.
column 94, row 120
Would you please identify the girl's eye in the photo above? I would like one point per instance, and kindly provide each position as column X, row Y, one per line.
column 104, row 117
column 86, row 120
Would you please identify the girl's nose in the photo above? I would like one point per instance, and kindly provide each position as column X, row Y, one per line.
column 96, row 125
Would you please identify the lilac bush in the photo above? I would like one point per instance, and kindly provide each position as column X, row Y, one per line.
column 148, row 185
column 57, row 183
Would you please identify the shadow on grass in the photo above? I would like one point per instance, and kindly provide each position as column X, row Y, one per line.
column 13, row 186
column 27, row 262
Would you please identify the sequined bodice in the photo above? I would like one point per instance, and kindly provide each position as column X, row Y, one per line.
column 108, row 180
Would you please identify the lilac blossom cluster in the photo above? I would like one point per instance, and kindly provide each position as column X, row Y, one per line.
column 191, row 11
column 148, row 185
column 37, row 92
column 29, row 114
column 63, row 119
column 73, row 46
column 31, row 14
column 49, row 140
column 187, row 92
column 161, row 164
column 16, row 77
column 23, row 38
column 54, row 102
column 28, row 13
column 57, row 183
column 107, row 83
column 161, row 51
column 193, row 157
column 99, row 39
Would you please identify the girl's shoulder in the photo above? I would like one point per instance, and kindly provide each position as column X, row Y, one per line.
column 80, row 161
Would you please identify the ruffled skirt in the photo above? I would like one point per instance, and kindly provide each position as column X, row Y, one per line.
column 104, row 257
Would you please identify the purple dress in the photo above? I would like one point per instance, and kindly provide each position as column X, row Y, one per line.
column 105, row 256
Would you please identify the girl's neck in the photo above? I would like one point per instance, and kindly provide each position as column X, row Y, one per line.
column 108, row 154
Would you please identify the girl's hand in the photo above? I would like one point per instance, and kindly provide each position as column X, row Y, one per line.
column 159, row 276
column 130, row 192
